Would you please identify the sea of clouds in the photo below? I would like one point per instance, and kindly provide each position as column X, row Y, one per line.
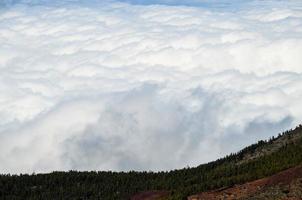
column 136, row 85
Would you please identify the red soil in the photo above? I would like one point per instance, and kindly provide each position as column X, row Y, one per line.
column 244, row 190
column 150, row 195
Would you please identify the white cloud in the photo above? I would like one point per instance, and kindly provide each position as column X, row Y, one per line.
column 104, row 85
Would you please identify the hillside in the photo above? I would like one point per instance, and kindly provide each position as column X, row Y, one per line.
column 284, row 185
column 255, row 162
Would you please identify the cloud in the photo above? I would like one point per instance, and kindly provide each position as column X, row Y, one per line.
column 107, row 85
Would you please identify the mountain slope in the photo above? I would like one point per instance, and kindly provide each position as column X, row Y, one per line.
column 283, row 185
column 257, row 161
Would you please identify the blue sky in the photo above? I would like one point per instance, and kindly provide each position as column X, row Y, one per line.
column 231, row 5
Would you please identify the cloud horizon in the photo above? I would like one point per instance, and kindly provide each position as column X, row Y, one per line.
column 127, row 85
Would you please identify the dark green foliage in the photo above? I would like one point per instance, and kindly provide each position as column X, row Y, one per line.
column 233, row 169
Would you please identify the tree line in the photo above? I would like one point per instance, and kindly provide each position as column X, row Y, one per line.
column 225, row 172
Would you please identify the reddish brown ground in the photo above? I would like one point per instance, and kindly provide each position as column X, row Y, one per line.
column 150, row 195
column 248, row 189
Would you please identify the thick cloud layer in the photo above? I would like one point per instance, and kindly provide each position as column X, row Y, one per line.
column 94, row 85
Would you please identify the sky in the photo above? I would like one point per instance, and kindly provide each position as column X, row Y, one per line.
column 144, row 85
